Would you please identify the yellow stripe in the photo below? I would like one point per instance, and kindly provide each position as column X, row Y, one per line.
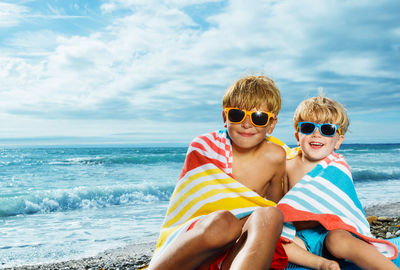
column 203, row 198
column 276, row 141
column 207, row 207
column 194, row 177
column 290, row 152
column 231, row 204
column 196, row 188
column 165, row 232
column 222, row 204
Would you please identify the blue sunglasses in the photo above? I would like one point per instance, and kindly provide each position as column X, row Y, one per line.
column 325, row 129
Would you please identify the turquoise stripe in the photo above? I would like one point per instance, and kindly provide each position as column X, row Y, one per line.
column 302, row 202
column 326, row 204
column 290, row 236
column 360, row 216
column 288, row 231
column 343, row 182
column 244, row 214
column 336, row 176
column 340, row 179
column 316, row 171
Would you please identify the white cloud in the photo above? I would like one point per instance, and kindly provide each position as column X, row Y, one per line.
column 83, row 71
column 32, row 42
column 11, row 14
column 108, row 7
column 349, row 65
column 153, row 59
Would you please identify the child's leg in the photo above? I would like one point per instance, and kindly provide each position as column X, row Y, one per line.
column 256, row 246
column 210, row 235
column 298, row 254
column 342, row 244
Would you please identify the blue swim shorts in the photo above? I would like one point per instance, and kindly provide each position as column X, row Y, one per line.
column 313, row 239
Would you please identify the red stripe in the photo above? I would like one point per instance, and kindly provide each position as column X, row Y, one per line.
column 198, row 145
column 329, row 221
column 196, row 159
column 194, row 162
column 212, row 145
column 344, row 163
column 336, row 158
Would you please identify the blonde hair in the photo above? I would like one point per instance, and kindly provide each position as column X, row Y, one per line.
column 253, row 92
column 321, row 109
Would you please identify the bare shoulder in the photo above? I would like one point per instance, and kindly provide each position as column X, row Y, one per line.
column 291, row 163
column 272, row 152
column 295, row 170
column 294, row 165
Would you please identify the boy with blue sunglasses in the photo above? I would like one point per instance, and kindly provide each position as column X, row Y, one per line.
column 320, row 125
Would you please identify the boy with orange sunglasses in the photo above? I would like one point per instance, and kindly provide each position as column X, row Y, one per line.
column 219, row 214
column 323, row 215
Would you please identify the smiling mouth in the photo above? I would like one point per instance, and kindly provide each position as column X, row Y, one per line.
column 246, row 134
column 316, row 145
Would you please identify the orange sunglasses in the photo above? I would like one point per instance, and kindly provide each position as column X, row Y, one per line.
column 257, row 118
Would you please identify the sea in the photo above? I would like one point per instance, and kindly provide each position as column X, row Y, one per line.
column 68, row 202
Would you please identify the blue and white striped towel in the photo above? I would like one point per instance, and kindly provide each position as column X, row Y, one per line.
column 327, row 195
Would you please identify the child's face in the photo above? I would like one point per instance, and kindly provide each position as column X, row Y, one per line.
column 316, row 146
column 246, row 135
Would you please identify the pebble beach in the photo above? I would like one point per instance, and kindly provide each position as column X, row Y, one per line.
column 128, row 257
column 384, row 221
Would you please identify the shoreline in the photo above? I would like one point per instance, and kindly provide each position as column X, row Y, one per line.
column 390, row 210
column 135, row 256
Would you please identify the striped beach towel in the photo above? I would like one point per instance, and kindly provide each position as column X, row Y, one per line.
column 205, row 186
column 327, row 195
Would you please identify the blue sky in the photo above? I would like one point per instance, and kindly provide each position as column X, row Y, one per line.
column 146, row 71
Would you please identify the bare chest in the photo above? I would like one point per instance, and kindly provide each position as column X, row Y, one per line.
column 254, row 175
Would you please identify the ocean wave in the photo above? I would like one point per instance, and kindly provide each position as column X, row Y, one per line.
column 375, row 174
column 82, row 197
column 105, row 160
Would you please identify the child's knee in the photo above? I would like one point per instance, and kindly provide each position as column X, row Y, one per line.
column 267, row 217
column 220, row 228
column 336, row 242
column 274, row 214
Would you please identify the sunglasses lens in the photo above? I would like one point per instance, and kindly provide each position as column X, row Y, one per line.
column 307, row 128
column 328, row 130
column 236, row 115
column 259, row 118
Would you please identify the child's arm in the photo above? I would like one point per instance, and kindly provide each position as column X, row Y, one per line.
column 285, row 184
column 275, row 190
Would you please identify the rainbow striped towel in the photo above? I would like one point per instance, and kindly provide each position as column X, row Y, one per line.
column 205, row 186
column 327, row 194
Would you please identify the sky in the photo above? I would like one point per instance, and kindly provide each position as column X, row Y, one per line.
column 154, row 72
